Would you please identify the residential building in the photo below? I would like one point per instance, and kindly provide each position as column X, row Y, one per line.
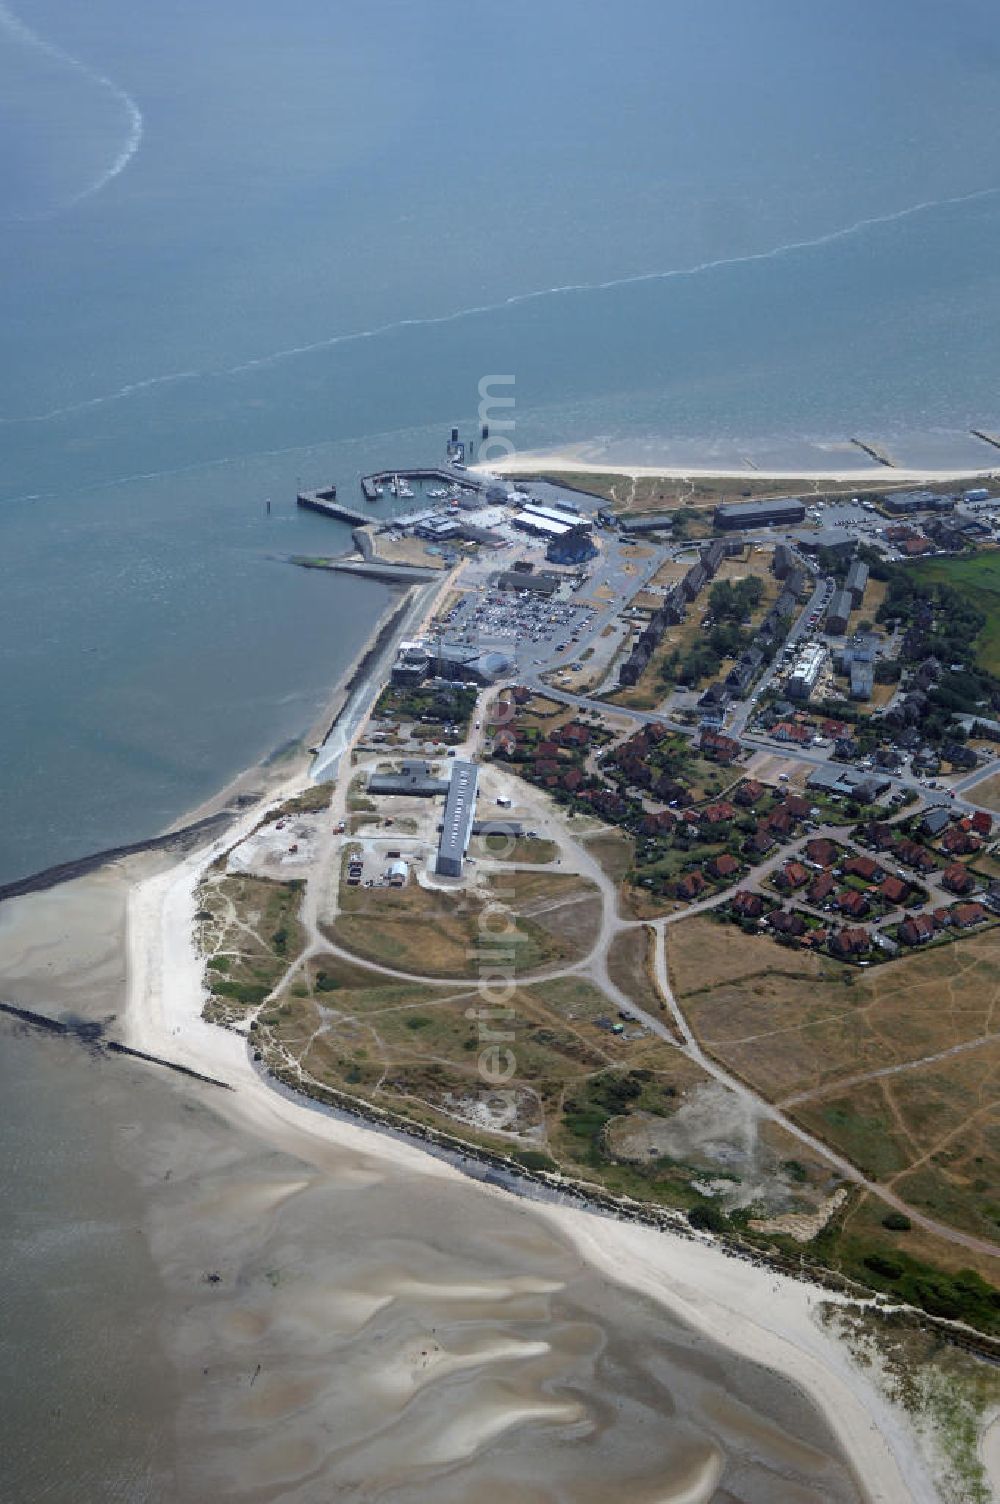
column 857, row 580
column 838, row 612
column 806, row 671
column 957, row 879
column 916, row 929
column 747, row 905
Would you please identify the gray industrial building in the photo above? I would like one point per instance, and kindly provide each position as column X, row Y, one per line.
column 835, row 779
column 759, row 513
column 835, row 539
column 838, row 611
column 459, row 813
column 518, row 579
column 413, row 778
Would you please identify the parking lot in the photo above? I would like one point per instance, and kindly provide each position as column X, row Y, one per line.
column 534, row 629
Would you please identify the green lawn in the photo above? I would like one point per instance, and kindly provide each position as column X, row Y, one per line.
column 978, row 578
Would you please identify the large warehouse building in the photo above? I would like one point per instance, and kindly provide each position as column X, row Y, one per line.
column 759, row 513
column 459, row 813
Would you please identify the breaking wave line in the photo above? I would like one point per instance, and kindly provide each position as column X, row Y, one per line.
column 17, row 28
column 701, row 268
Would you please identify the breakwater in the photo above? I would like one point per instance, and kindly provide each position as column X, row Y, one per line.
column 874, row 453
column 374, row 569
column 88, row 1032
column 51, row 877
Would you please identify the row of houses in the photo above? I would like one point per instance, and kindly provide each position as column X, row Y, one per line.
column 675, row 604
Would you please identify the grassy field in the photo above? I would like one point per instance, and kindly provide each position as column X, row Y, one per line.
column 978, row 578
column 438, row 934
column 819, row 1038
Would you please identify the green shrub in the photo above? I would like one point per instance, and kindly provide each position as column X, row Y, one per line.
column 707, row 1217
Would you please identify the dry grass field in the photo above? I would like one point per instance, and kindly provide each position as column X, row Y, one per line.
column 896, row 1067
column 630, row 967
column 554, row 917
column 703, row 954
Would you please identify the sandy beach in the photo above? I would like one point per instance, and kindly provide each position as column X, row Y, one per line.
column 561, row 461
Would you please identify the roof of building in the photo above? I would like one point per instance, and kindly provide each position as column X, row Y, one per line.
column 459, row 811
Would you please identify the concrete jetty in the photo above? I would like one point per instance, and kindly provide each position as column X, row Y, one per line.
column 385, row 569
column 325, row 502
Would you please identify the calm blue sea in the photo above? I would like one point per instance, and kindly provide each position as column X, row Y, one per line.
column 244, row 245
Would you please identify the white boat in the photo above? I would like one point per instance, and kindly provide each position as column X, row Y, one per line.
column 405, row 490
column 394, row 485
column 437, row 495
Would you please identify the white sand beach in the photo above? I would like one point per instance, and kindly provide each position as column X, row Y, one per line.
column 568, row 461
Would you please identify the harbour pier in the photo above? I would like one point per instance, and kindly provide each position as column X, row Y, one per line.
column 371, row 484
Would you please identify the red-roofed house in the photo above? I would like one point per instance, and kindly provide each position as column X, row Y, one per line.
column 821, row 852
column 747, row 905
column 718, row 813
column 723, row 866
column 956, row 879
column 958, row 842
column 850, row 942
column 573, row 734
column 787, row 731
column 780, row 821
column 792, row 875
column 748, row 793
column 916, row 929
column 982, row 823
column 965, row 915
column 786, row 924
column 721, row 748
column 852, row 903
column 658, row 824
column 820, row 888
column 690, row 885
column 864, row 867
column 894, row 890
